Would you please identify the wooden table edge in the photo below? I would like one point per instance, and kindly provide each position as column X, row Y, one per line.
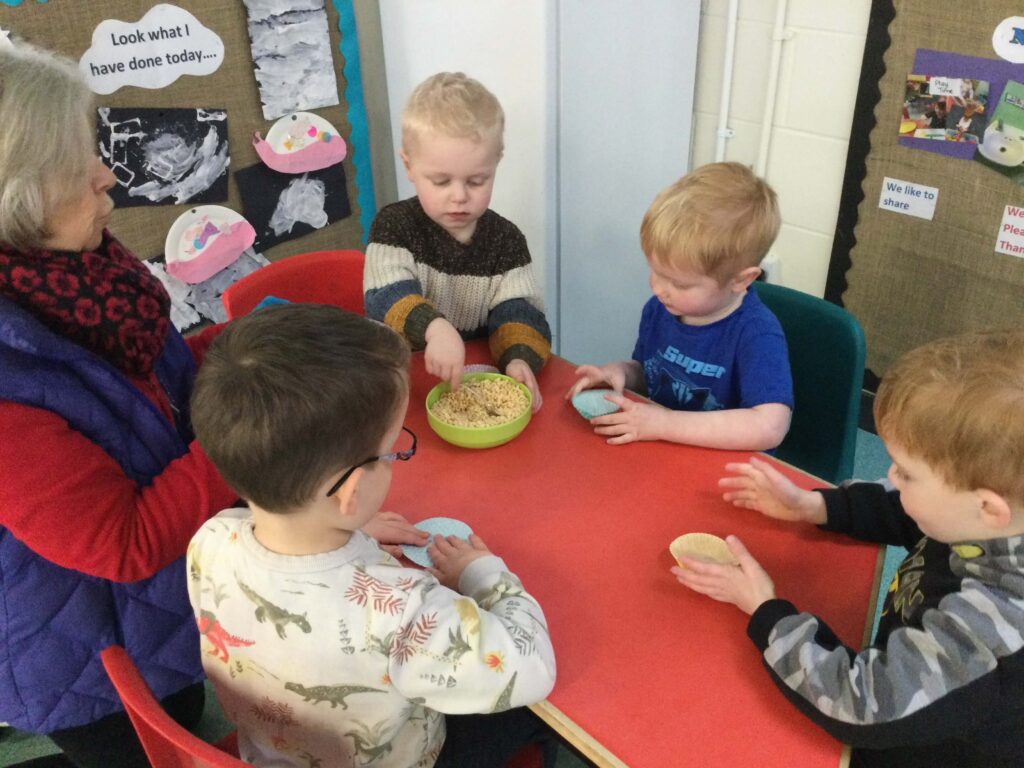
column 844, row 760
column 565, row 727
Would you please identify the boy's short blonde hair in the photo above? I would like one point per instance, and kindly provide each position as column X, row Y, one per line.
column 454, row 105
column 716, row 220
column 958, row 405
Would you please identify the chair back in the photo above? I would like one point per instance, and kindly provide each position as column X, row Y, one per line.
column 318, row 277
column 167, row 744
column 826, row 356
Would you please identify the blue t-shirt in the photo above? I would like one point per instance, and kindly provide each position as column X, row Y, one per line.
column 737, row 362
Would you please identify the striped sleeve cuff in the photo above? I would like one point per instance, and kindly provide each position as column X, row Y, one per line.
column 518, row 340
column 518, row 329
column 410, row 317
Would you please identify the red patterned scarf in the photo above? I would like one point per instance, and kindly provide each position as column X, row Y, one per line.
column 104, row 300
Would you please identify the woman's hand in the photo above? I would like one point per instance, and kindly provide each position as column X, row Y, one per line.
column 445, row 353
column 521, row 371
column 451, row 555
column 391, row 529
column 746, row 585
column 758, row 485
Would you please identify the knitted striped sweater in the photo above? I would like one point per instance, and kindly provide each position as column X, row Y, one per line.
column 415, row 272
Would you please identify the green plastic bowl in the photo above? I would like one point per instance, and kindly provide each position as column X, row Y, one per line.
column 477, row 437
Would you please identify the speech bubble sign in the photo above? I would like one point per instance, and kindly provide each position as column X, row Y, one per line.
column 153, row 52
column 1008, row 39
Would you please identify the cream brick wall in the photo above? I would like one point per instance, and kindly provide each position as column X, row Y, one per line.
column 818, row 78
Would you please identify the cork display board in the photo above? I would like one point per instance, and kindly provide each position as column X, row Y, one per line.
column 925, row 244
column 214, row 72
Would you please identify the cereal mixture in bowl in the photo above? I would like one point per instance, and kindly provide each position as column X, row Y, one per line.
column 482, row 403
column 488, row 410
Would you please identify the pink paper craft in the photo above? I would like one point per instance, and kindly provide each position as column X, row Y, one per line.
column 318, row 155
column 214, row 253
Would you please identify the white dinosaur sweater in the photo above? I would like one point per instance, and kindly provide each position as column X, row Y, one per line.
column 346, row 658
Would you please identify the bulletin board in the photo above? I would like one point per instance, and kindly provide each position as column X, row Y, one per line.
column 906, row 277
column 67, row 26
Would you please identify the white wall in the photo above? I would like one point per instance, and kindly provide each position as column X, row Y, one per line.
column 508, row 45
column 810, row 131
column 626, row 89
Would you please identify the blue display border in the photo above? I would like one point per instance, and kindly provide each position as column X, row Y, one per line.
column 359, row 140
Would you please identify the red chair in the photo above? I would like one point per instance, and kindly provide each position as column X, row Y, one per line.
column 319, row 277
column 167, row 744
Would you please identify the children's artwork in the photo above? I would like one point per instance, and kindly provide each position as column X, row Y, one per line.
column 944, row 108
column 1002, row 148
column 282, row 207
column 205, row 240
column 153, row 52
column 191, row 304
column 291, row 52
column 165, row 156
column 300, row 142
column 435, row 526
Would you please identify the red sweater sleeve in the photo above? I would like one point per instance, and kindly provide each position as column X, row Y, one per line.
column 67, row 500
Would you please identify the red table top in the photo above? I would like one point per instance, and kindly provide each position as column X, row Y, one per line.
column 655, row 673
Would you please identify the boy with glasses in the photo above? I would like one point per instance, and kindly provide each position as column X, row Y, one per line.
column 323, row 649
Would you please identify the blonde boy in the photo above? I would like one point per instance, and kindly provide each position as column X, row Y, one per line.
column 441, row 267
column 943, row 682
column 709, row 354
column 323, row 649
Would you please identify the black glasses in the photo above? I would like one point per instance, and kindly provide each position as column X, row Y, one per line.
column 397, row 456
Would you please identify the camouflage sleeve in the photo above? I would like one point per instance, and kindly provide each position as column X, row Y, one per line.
column 926, row 685
column 484, row 651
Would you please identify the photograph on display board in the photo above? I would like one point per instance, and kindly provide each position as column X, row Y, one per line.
column 163, row 156
column 1002, row 148
column 944, row 108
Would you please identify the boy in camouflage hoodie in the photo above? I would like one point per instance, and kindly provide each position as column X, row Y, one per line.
column 323, row 649
column 943, row 682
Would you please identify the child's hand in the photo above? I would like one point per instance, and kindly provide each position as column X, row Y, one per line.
column 391, row 529
column 446, row 352
column 451, row 555
column 758, row 485
column 635, row 421
column 591, row 376
column 523, row 373
column 746, row 585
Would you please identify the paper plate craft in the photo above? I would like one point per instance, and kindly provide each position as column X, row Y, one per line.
column 300, row 142
column 591, row 403
column 445, row 526
column 479, row 368
column 702, row 546
column 204, row 240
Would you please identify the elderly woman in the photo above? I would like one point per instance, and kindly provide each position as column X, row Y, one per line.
column 101, row 484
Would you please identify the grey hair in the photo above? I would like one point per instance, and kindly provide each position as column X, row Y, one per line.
column 47, row 142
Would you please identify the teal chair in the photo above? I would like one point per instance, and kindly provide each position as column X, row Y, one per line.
column 826, row 355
